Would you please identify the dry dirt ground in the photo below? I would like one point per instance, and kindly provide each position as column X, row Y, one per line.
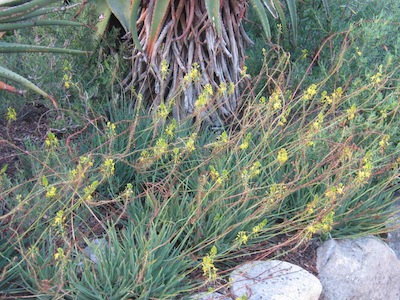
column 31, row 124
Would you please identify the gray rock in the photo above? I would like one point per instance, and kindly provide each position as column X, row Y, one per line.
column 94, row 247
column 364, row 268
column 393, row 239
column 274, row 280
column 209, row 296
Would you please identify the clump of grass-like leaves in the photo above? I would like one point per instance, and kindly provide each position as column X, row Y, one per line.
column 177, row 204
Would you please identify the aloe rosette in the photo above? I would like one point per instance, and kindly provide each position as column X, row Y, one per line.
column 17, row 14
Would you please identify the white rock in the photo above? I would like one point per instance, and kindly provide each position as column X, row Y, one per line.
column 273, row 280
column 209, row 296
column 362, row 269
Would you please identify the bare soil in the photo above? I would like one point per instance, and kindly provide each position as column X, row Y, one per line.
column 32, row 124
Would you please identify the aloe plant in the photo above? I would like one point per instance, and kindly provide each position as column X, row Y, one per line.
column 16, row 14
column 186, row 33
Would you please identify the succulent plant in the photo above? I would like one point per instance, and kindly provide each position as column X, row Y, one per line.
column 171, row 38
column 17, row 14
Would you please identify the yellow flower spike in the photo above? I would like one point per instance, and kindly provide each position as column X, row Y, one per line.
column 384, row 142
column 282, row 156
column 340, row 189
column 347, row 153
column 304, row 54
column 67, row 81
column 255, row 169
column 312, row 229
column 51, row 140
column 280, row 28
column 51, row 192
column 283, row 120
column 175, row 151
column 209, row 270
column 275, row 100
column 365, row 173
column 89, row 190
column 383, row 113
column 224, row 137
column 110, row 129
column 377, row 78
column 310, row 208
column 317, row 123
column 67, row 66
column 325, row 99
column 367, row 158
column 231, row 89
column 256, row 229
column 162, row 111
column 244, row 145
column 337, row 95
column 224, row 176
column 144, row 154
column 326, row 223
column 193, row 75
column 171, row 128
column 332, row 193
column 245, row 176
column 222, row 88
column 264, row 52
column 86, row 161
column 67, row 74
column 161, row 147
column 277, row 191
column 108, row 167
column 310, row 92
column 217, row 177
column 59, row 255
column 242, row 237
column 208, row 90
column 128, row 191
column 11, row 114
column 246, row 142
column 73, row 174
column 243, row 71
column 351, row 112
column 213, row 251
column 164, row 69
column 33, row 251
column 214, row 173
column 312, row 205
column 190, row 143
column 59, row 218
column 204, row 97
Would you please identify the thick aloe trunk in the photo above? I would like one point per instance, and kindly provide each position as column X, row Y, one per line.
column 188, row 37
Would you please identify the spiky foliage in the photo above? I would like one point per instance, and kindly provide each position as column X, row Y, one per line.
column 196, row 42
column 16, row 15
